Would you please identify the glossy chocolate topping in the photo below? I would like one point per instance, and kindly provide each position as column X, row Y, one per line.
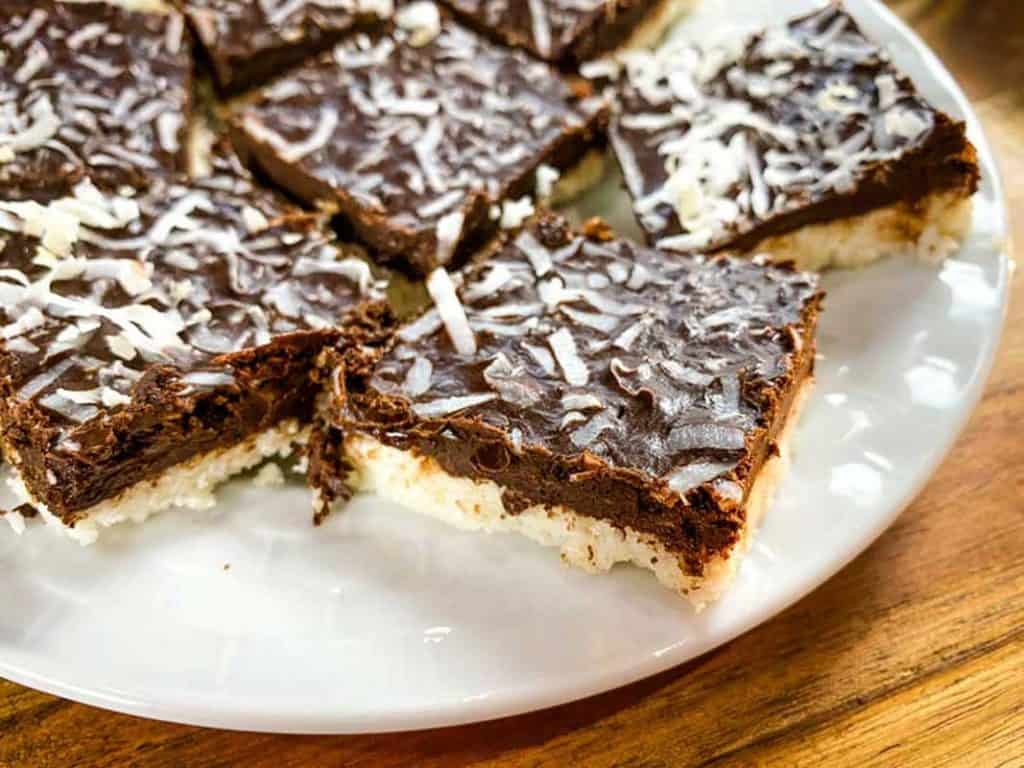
column 248, row 41
column 416, row 134
column 122, row 316
column 623, row 382
column 567, row 32
column 89, row 89
column 805, row 122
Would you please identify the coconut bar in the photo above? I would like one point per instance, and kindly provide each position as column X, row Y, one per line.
column 624, row 404
column 89, row 89
column 804, row 141
column 249, row 42
column 570, row 33
column 152, row 346
column 419, row 135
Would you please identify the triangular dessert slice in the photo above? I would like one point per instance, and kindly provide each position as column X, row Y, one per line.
column 621, row 403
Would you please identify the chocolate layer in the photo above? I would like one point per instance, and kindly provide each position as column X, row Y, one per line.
column 567, row 33
column 140, row 332
column 248, row 42
column 633, row 386
column 804, row 123
column 417, row 134
column 89, row 90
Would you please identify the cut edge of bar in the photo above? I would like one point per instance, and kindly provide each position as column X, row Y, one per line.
column 188, row 485
column 420, row 484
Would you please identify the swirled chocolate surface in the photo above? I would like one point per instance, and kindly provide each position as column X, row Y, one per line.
column 88, row 89
column 631, row 385
column 248, row 41
column 803, row 123
column 566, row 32
column 417, row 134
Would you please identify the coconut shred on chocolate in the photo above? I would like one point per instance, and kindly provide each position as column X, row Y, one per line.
column 156, row 344
column 88, row 89
column 248, row 42
column 803, row 140
column 626, row 404
column 570, row 32
column 419, row 135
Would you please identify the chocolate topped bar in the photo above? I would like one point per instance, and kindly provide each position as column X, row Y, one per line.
column 804, row 124
column 417, row 134
column 249, row 42
column 89, row 89
column 566, row 32
column 141, row 333
column 594, row 381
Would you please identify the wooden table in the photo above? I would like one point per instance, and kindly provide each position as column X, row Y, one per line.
column 912, row 656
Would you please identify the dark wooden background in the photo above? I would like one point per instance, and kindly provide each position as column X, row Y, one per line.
column 913, row 656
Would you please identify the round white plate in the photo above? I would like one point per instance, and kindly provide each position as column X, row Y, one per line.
column 249, row 618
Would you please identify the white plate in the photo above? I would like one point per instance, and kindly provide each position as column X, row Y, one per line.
column 385, row 620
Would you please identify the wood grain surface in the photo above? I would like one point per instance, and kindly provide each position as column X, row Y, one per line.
column 912, row 656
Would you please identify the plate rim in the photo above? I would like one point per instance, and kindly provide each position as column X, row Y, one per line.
column 215, row 712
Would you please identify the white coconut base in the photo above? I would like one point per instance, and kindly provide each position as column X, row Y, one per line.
column 188, row 485
column 420, row 484
column 931, row 232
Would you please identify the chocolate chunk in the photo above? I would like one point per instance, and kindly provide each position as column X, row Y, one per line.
column 89, row 90
column 805, row 123
column 417, row 135
column 27, row 511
